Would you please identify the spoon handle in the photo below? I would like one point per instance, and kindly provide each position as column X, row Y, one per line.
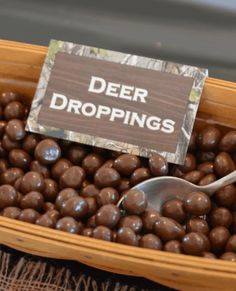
column 211, row 188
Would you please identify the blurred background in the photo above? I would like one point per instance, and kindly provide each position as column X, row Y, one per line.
column 197, row 32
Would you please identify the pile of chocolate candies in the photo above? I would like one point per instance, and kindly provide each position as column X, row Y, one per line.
column 75, row 188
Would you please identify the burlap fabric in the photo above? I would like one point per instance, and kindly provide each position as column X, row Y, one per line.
column 21, row 272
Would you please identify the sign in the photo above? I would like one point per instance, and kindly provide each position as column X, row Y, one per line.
column 116, row 101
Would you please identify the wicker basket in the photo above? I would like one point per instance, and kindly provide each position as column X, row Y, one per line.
column 20, row 66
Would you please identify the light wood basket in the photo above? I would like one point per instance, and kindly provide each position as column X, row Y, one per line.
column 20, row 66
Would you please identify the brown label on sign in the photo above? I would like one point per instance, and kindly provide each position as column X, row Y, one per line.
column 114, row 104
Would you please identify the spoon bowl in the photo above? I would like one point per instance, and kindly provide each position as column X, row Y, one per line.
column 161, row 189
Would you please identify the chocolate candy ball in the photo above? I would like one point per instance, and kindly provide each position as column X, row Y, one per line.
column 194, row 176
column 11, row 175
column 108, row 215
column 197, row 203
column 140, row 175
column 220, row 217
column 149, row 217
column 47, row 151
column 92, row 206
column 208, row 179
column 15, row 129
column 195, row 243
column 9, row 144
column 132, row 221
column 90, row 191
column 231, row 244
column 168, row 229
column 150, row 241
column 60, row 167
column 76, row 207
column 46, row 221
column 19, row 158
column 228, row 256
column 189, row 165
column 106, row 177
column 223, row 164
column 17, row 184
column 76, row 153
column 8, row 196
column 102, row 232
column 36, row 166
column 135, row 202
column 11, row 212
column 7, row 97
column 127, row 236
column 228, row 142
column 226, row 196
column 173, row 246
column 72, row 177
column 197, row 224
column 158, row 165
column 33, row 200
column 206, row 167
column 107, row 195
column 218, row 237
column 69, row 224
column 51, row 190
column 126, row 164
column 208, row 139
column 91, row 163
column 29, row 143
column 14, row 110
column 209, row 255
column 87, row 231
column 64, row 195
column 29, row 215
column 32, row 181
column 174, row 209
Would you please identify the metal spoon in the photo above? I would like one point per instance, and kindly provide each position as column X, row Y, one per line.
column 161, row 189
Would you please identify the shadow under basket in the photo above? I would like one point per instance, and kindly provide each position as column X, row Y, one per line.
column 20, row 67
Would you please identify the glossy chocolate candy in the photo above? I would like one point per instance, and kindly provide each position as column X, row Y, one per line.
column 126, row 164
column 150, row 241
column 15, row 129
column 174, row 209
column 8, row 196
column 72, row 177
column 47, row 151
column 197, row 203
column 158, row 165
column 32, row 181
column 135, row 202
column 108, row 215
column 195, row 243
column 168, row 229
column 106, row 177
